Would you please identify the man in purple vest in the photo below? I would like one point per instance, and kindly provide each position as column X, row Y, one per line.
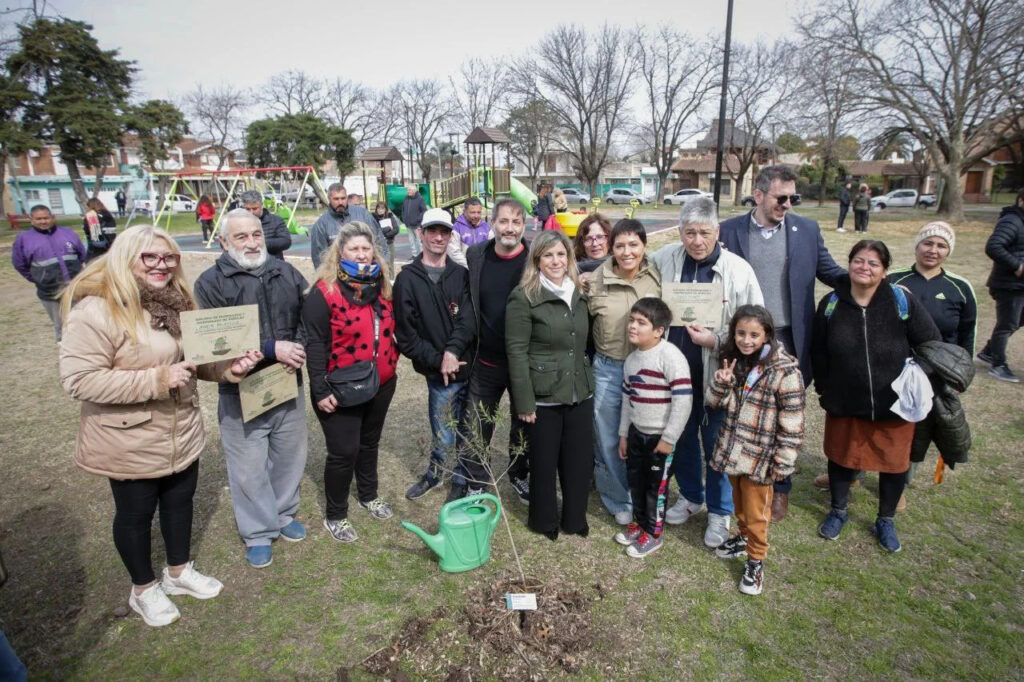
column 49, row 256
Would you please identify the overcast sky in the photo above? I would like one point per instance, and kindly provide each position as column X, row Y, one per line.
column 180, row 43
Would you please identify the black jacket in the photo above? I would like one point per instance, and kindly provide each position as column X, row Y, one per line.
column 544, row 208
column 844, row 196
column 1005, row 247
column 275, row 234
column 433, row 318
column 951, row 370
column 413, row 209
column 278, row 292
column 858, row 352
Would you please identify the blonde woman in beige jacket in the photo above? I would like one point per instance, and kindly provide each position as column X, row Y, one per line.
column 141, row 425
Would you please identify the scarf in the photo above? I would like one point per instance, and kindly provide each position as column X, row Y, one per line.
column 564, row 292
column 360, row 284
column 758, row 369
column 164, row 306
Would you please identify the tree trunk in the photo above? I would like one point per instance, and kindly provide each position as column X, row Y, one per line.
column 821, row 185
column 737, row 193
column 97, row 186
column 3, row 178
column 951, row 203
column 77, row 183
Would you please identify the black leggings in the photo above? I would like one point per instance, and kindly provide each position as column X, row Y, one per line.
column 890, row 487
column 353, row 439
column 135, row 501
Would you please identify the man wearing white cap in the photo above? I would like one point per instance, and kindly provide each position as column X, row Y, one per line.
column 435, row 328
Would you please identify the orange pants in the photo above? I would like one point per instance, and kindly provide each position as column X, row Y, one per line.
column 753, row 503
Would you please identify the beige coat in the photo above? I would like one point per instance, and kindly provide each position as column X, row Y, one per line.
column 611, row 298
column 132, row 425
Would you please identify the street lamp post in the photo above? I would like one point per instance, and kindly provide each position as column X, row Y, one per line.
column 721, row 107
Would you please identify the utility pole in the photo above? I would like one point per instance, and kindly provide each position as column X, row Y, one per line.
column 721, row 107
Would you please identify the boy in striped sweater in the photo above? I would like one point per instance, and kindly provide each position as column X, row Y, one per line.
column 656, row 401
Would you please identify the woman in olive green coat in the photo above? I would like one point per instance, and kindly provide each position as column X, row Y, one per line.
column 546, row 329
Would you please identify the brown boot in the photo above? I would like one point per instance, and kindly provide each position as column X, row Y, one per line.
column 821, row 482
column 780, row 505
column 901, row 506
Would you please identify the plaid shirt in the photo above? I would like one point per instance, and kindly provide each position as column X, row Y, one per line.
column 763, row 429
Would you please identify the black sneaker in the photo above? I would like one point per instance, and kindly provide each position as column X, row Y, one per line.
column 986, row 357
column 456, row 492
column 421, row 487
column 1003, row 373
column 733, row 548
column 522, row 488
column 752, row 581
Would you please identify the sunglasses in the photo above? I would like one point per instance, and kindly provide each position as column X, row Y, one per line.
column 791, row 199
column 151, row 260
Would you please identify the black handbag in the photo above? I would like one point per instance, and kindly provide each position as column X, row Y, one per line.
column 357, row 383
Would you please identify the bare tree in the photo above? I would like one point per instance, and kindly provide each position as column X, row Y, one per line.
column 532, row 127
column 425, row 106
column 757, row 96
column 678, row 74
column 350, row 106
column 478, row 88
column 584, row 80
column 218, row 114
column 294, row 92
column 949, row 72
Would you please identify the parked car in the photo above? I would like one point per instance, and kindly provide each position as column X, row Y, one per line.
column 178, row 203
column 575, row 196
column 684, row 195
column 903, row 197
column 622, row 196
column 308, row 195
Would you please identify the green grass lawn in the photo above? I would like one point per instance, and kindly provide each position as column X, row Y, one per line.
column 949, row 606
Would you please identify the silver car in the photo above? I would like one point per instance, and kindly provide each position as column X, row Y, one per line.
column 622, row 196
column 575, row 196
column 684, row 195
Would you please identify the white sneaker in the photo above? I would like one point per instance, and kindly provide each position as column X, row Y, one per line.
column 154, row 606
column 681, row 511
column 191, row 582
column 717, row 531
column 624, row 518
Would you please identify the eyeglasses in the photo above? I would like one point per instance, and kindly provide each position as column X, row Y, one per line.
column 151, row 260
column 792, row 199
column 595, row 239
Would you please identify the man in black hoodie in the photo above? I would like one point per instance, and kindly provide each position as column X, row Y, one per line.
column 1006, row 285
column 435, row 328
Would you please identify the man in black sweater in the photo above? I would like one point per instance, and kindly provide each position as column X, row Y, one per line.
column 1006, row 285
column 276, row 236
column 435, row 328
column 495, row 267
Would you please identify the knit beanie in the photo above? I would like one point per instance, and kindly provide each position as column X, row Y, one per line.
column 936, row 229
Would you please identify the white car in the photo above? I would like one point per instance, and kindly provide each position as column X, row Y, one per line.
column 178, row 203
column 684, row 195
column 903, row 197
column 622, row 196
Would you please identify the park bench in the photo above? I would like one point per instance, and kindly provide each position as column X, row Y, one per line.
column 18, row 220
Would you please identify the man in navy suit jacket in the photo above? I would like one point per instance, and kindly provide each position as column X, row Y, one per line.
column 787, row 253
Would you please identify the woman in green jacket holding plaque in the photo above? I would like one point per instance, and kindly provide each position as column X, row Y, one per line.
column 546, row 328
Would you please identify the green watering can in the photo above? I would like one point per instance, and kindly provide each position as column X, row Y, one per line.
column 464, row 541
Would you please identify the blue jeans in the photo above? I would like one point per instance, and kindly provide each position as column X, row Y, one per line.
column 609, row 471
column 446, row 408
column 702, row 429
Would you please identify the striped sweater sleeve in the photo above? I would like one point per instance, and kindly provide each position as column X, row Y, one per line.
column 677, row 374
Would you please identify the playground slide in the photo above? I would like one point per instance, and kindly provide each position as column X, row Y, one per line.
column 523, row 195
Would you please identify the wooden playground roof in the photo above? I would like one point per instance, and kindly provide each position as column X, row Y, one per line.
column 482, row 135
column 381, row 154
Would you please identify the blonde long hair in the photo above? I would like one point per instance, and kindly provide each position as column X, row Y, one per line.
column 543, row 243
column 328, row 270
column 111, row 278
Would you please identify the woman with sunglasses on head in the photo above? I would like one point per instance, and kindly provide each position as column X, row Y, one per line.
column 614, row 287
column 141, row 424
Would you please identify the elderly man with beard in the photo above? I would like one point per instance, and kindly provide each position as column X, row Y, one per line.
column 266, row 455
column 325, row 229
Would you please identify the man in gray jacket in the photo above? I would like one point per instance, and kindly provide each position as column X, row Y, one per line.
column 340, row 213
column 266, row 454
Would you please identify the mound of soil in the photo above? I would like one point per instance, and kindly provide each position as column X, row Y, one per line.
column 501, row 643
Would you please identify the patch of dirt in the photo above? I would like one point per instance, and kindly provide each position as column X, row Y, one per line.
column 508, row 645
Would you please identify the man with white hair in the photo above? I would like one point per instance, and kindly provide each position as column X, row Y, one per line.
column 266, row 455
column 276, row 236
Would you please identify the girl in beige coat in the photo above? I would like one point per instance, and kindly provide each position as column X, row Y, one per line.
column 141, row 426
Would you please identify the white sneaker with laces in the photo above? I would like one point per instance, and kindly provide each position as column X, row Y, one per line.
column 717, row 531
column 191, row 582
column 681, row 511
column 154, row 606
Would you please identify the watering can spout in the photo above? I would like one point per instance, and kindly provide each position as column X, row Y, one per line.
column 434, row 542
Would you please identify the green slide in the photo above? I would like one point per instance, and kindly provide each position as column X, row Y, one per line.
column 522, row 194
